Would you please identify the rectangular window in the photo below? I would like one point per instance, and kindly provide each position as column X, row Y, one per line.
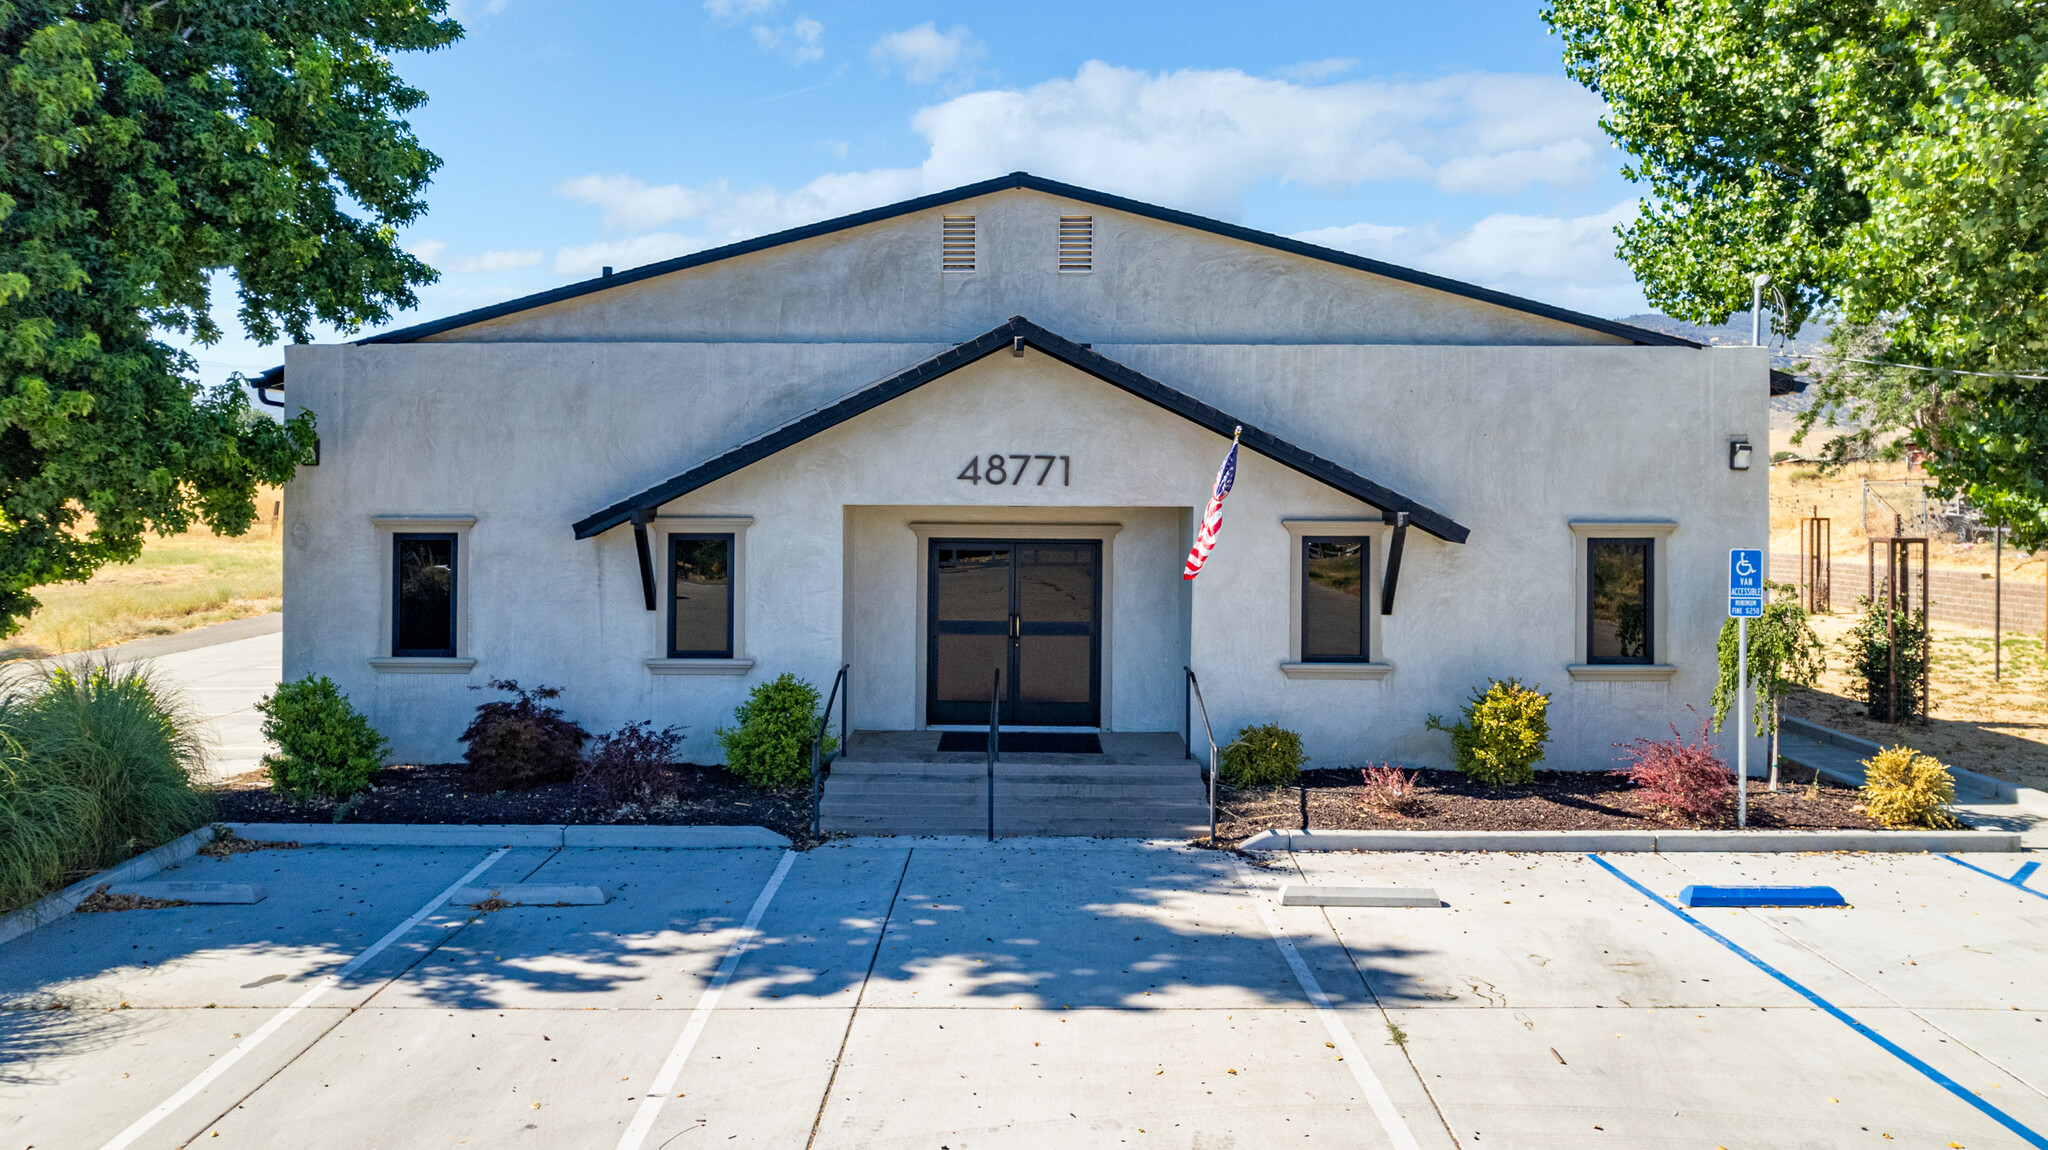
column 1333, row 599
column 1618, row 622
column 423, row 595
column 700, row 597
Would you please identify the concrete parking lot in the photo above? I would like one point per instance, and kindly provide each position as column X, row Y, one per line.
column 923, row 993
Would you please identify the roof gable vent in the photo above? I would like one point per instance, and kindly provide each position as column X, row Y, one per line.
column 956, row 243
column 1077, row 243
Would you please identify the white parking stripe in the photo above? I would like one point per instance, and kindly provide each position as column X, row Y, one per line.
column 142, row 1125
column 1376, row 1094
column 672, row 1069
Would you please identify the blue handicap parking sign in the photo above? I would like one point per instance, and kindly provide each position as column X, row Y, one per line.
column 1745, row 583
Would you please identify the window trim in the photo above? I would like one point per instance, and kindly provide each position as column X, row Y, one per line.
column 1583, row 532
column 1374, row 529
column 1650, row 581
column 675, row 540
column 1302, row 543
column 453, row 649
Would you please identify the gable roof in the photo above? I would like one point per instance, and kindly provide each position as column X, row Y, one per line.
column 1027, row 181
column 1019, row 330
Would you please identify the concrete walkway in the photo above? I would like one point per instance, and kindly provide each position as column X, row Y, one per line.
column 221, row 670
column 1975, row 805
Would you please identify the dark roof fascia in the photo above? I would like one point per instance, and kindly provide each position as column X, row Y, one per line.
column 1785, row 383
column 1084, row 359
column 1026, row 180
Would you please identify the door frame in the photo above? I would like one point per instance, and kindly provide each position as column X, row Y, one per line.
column 1097, row 527
column 1012, row 676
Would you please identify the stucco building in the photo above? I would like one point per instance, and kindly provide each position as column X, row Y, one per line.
column 975, row 431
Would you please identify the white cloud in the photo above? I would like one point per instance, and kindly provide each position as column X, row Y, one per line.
column 799, row 42
column 589, row 259
column 1316, row 71
column 734, row 11
column 724, row 213
column 497, row 262
column 427, row 250
column 466, row 10
column 1563, row 261
column 925, row 55
column 1201, row 138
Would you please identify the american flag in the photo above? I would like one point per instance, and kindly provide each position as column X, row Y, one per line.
column 1212, row 518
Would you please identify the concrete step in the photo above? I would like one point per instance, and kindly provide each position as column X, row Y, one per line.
column 979, row 769
column 1107, row 800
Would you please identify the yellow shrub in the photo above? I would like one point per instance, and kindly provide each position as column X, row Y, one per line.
column 1904, row 788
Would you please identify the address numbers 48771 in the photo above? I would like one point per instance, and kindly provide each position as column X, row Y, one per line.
column 1016, row 470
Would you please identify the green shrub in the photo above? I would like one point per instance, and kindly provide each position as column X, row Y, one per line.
column 1904, row 788
column 326, row 749
column 1501, row 738
column 1870, row 659
column 1263, row 756
column 96, row 764
column 771, row 745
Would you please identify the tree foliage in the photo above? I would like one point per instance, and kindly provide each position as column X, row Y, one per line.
column 1886, row 161
column 1784, row 653
column 145, row 147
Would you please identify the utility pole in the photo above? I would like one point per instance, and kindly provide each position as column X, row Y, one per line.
column 1756, row 308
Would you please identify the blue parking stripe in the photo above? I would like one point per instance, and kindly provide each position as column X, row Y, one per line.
column 1889, row 1047
column 2018, row 881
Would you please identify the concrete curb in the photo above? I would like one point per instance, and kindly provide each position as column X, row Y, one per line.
column 549, row 835
column 1605, row 842
column 2028, row 799
column 52, row 907
column 688, row 838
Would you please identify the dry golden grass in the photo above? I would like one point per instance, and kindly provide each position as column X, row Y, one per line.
column 1995, row 728
column 1798, row 490
column 179, row 582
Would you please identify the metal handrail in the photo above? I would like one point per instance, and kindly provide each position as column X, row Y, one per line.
column 995, row 732
column 818, row 759
column 1195, row 687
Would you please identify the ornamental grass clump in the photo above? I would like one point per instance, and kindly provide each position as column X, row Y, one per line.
column 635, row 763
column 1392, row 791
column 521, row 743
column 1263, row 756
column 96, row 765
column 1904, row 788
column 1685, row 782
column 771, row 744
column 326, row 749
column 1501, row 738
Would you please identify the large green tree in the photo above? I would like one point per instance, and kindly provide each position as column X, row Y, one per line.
column 1886, row 162
column 144, row 149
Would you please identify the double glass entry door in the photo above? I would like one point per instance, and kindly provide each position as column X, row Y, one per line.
column 1029, row 608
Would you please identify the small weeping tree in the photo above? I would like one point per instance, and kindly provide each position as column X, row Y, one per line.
column 1783, row 653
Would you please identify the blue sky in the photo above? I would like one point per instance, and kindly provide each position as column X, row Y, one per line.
column 1441, row 136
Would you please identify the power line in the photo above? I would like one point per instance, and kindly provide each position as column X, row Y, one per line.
column 1916, row 366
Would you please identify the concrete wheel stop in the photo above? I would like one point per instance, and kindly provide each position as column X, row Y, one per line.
column 1302, row 894
column 198, row 893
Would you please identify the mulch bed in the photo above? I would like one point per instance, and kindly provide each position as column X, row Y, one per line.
column 1556, row 801
column 434, row 794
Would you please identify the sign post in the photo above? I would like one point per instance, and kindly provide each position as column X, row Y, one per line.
column 1745, row 602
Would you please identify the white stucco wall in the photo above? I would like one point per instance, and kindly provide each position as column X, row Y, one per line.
column 1514, row 442
column 1152, row 282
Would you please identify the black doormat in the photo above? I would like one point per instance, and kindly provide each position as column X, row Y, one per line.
column 1024, row 742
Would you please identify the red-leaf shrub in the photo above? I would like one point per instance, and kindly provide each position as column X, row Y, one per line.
column 635, row 763
column 521, row 744
column 1391, row 790
column 1686, row 782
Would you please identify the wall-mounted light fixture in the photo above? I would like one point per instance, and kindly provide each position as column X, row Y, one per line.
column 1738, row 454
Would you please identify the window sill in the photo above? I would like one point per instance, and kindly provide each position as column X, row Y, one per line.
column 421, row 665
column 1620, row 672
column 1336, row 670
column 700, row 666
